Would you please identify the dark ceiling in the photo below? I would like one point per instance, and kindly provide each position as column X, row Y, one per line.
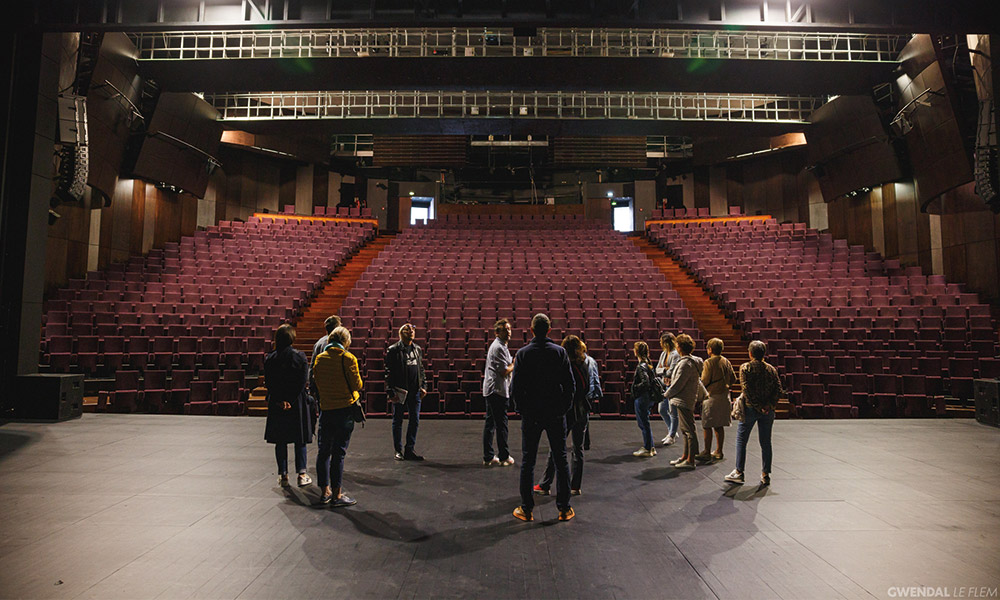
column 544, row 74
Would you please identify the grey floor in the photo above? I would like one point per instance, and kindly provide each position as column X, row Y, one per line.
column 119, row 506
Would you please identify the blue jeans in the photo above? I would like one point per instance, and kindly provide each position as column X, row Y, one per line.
column 412, row 405
column 642, row 405
column 669, row 415
column 335, row 429
column 531, row 434
column 496, row 420
column 281, row 454
column 764, row 423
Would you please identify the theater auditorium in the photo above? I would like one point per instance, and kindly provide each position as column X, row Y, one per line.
column 561, row 299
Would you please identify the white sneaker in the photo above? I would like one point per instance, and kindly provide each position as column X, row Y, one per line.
column 506, row 463
column 642, row 453
column 670, row 440
column 735, row 477
column 492, row 463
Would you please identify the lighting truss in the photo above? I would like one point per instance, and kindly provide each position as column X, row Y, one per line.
column 502, row 43
column 423, row 104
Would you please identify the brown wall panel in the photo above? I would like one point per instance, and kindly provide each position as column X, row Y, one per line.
column 514, row 209
column 702, row 196
column 66, row 246
column 137, row 218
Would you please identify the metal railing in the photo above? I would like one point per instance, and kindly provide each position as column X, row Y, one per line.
column 669, row 146
column 422, row 104
column 502, row 43
column 353, row 144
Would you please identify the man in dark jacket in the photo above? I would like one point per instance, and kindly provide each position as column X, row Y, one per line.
column 405, row 384
column 543, row 389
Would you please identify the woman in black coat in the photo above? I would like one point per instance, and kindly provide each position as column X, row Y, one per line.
column 289, row 407
column 577, row 419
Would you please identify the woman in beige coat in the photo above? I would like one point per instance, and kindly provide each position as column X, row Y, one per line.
column 717, row 374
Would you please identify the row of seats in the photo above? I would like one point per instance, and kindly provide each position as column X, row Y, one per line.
column 167, row 313
column 883, row 341
column 690, row 213
column 334, row 211
column 611, row 295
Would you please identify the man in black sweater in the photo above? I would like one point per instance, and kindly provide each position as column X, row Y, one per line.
column 543, row 388
column 405, row 384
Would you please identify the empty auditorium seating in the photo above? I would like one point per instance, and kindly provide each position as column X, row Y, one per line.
column 454, row 277
column 834, row 315
column 180, row 315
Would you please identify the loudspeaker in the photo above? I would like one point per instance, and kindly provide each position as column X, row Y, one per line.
column 988, row 401
column 48, row 397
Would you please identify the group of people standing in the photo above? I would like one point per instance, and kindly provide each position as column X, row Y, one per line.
column 552, row 386
column 681, row 381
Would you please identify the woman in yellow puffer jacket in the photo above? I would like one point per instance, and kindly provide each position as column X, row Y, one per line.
column 338, row 380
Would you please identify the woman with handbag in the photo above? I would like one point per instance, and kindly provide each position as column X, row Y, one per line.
column 338, row 380
column 290, row 410
column 717, row 374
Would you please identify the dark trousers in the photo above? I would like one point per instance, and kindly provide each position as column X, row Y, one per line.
column 496, row 419
column 335, row 429
column 577, row 431
column 531, row 434
column 281, row 454
column 764, row 422
column 412, row 405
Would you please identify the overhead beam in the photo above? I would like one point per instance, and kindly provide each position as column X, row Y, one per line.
column 501, row 42
column 901, row 16
column 526, row 105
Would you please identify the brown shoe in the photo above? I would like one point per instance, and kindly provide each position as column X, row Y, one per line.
column 717, row 456
column 566, row 515
column 524, row 516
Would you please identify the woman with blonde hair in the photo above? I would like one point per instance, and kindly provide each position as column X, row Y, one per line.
column 717, row 375
column 338, row 380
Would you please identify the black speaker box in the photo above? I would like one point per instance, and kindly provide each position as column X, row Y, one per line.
column 988, row 401
column 48, row 397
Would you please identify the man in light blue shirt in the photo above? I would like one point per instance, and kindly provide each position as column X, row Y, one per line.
column 496, row 391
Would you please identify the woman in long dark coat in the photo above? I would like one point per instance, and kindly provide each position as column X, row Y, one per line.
column 289, row 408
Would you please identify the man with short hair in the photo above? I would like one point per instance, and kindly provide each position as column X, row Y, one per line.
column 543, row 388
column 332, row 322
column 405, row 384
column 496, row 390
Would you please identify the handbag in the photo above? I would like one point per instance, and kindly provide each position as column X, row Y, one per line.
column 738, row 409
column 358, row 411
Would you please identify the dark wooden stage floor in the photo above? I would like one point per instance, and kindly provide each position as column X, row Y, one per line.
column 118, row 506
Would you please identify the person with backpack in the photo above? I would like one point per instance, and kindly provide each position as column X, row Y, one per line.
column 646, row 391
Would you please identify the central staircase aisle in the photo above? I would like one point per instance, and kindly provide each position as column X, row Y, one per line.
column 710, row 318
column 310, row 326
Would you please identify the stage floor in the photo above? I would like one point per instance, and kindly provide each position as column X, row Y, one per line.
column 144, row 506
